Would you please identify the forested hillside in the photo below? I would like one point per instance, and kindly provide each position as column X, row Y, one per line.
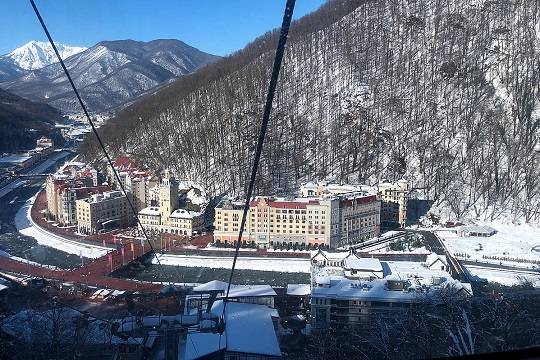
column 22, row 122
column 442, row 92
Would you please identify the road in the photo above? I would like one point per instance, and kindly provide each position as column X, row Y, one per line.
column 433, row 243
column 497, row 266
column 38, row 169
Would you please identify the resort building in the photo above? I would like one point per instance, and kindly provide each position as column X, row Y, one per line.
column 138, row 186
column 63, row 190
column 393, row 196
column 102, row 212
column 228, row 215
column 476, row 230
column 360, row 288
column 184, row 222
column 332, row 221
column 166, row 217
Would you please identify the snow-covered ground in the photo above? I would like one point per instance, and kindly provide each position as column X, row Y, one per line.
column 243, row 263
column 26, row 226
column 512, row 241
column 504, row 277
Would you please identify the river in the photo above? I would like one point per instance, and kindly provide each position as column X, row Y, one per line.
column 16, row 244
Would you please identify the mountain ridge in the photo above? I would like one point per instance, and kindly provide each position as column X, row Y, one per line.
column 110, row 73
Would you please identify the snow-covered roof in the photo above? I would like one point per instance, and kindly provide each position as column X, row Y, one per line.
column 309, row 185
column 201, row 344
column 14, row 158
column 298, row 289
column 482, row 229
column 236, row 291
column 332, row 256
column 369, row 264
column 414, row 274
column 214, row 285
column 433, row 258
column 243, row 321
column 251, row 291
column 342, row 188
column 184, row 214
column 4, row 284
column 151, row 210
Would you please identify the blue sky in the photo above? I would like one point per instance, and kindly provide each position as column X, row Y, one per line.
column 215, row 26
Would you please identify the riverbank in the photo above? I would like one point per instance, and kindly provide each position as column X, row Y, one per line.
column 284, row 265
column 26, row 226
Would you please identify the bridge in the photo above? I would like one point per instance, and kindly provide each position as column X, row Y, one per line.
column 96, row 273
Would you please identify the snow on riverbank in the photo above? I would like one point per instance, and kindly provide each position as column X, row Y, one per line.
column 27, row 227
column 243, row 263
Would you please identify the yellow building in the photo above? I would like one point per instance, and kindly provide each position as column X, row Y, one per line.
column 102, row 212
column 330, row 221
column 394, row 197
column 166, row 217
column 184, row 222
column 168, row 197
column 228, row 215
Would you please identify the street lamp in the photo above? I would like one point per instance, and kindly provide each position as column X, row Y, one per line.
column 25, row 252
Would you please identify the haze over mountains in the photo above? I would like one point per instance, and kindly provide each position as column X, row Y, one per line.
column 108, row 75
column 444, row 93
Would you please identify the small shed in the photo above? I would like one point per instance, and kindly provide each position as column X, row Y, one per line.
column 437, row 262
column 476, row 230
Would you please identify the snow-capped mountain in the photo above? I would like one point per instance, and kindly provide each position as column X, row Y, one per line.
column 38, row 54
column 110, row 74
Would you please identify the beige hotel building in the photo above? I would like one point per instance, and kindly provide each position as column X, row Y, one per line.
column 333, row 221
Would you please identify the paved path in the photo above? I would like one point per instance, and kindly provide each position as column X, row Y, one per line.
column 435, row 244
column 497, row 266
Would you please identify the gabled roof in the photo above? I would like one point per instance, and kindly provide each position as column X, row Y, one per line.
column 124, row 162
column 151, row 210
column 478, row 229
column 433, row 258
column 331, row 256
column 199, row 344
column 366, row 264
column 184, row 214
column 298, row 289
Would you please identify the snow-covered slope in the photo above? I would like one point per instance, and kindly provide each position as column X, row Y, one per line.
column 38, row 54
column 110, row 74
column 442, row 93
